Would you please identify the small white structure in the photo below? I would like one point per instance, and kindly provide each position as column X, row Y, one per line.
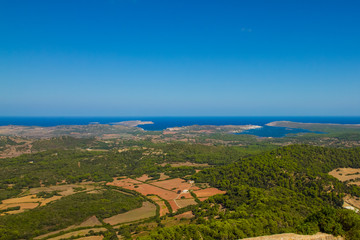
column 185, row 191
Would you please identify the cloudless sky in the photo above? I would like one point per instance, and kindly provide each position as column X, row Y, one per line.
column 172, row 58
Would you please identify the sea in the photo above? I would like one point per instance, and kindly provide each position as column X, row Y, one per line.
column 161, row 123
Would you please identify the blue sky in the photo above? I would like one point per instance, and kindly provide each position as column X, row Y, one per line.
column 172, row 58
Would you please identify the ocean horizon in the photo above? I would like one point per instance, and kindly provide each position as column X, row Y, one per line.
column 161, row 123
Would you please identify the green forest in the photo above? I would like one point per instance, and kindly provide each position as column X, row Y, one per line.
column 285, row 190
column 269, row 189
column 74, row 165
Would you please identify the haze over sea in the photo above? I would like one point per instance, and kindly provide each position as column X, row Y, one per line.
column 161, row 123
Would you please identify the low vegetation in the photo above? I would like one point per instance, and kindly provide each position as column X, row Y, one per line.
column 262, row 187
column 67, row 211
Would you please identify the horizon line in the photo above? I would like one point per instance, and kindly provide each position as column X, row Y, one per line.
column 132, row 116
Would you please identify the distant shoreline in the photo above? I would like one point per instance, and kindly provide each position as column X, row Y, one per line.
column 162, row 123
column 302, row 125
column 133, row 123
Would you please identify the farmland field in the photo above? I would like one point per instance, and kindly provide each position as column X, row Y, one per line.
column 92, row 238
column 347, row 174
column 90, row 222
column 32, row 200
column 147, row 210
column 67, row 211
column 78, row 233
column 163, row 208
column 175, row 184
column 27, row 202
column 143, row 188
column 206, row 193
column 185, row 202
column 173, row 190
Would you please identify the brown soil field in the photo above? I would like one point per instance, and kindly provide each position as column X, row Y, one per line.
column 208, row 192
column 163, row 209
column 143, row 188
column 292, row 236
column 91, row 238
column 124, row 182
column 146, row 189
column 175, row 185
column 147, row 210
column 78, row 233
column 173, row 205
column 185, row 202
column 345, row 174
column 167, row 190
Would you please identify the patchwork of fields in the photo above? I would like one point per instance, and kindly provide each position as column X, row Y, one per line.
column 175, row 191
column 31, row 199
column 169, row 194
